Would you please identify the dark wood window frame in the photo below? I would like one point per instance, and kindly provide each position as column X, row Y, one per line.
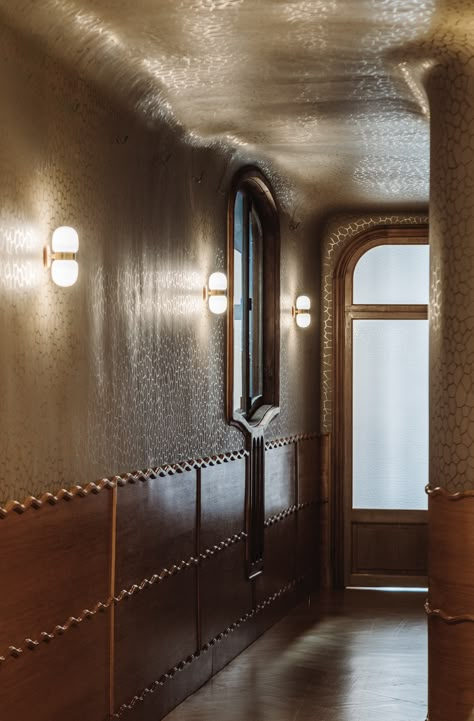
column 344, row 313
column 259, row 413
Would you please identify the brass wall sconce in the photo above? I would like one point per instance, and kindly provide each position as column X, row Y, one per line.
column 61, row 256
column 301, row 311
column 215, row 293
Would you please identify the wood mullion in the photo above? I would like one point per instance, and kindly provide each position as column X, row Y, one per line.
column 385, row 315
column 395, row 311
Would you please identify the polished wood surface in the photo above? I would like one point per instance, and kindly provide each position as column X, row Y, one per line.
column 65, row 679
column 156, row 523
column 134, row 595
column 280, row 487
column 348, row 656
column 55, row 563
column 451, row 606
column 154, row 630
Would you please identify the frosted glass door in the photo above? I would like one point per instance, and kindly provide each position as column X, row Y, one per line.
column 390, row 414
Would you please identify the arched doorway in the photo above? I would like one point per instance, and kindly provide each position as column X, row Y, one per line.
column 380, row 429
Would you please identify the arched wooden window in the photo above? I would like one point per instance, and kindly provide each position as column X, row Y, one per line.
column 253, row 318
column 253, row 336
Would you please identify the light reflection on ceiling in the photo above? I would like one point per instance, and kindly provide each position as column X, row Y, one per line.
column 328, row 93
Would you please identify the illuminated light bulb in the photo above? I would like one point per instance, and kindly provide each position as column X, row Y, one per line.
column 303, row 302
column 64, row 272
column 65, row 240
column 218, row 304
column 303, row 320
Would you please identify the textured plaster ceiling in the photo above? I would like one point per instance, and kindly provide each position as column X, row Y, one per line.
column 327, row 92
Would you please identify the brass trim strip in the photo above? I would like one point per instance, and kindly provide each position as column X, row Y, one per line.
column 112, row 601
column 222, row 545
column 122, row 480
column 58, row 630
column 271, row 520
column 52, row 499
column 204, row 649
column 269, row 445
column 439, row 613
column 439, row 491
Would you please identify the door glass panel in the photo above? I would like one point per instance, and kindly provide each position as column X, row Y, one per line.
column 393, row 274
column 390, row 414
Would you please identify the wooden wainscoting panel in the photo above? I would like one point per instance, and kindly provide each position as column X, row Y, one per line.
column 67, row 679
column 222, row 502
column 226, row 594
column 156, row 522
column 309, row 470
column 55, row 563
column 308, row 549
column 280, row 557
column 280, row 490
column 451, row 670
column 389, row 548
column 451, row 554
column 155, row 629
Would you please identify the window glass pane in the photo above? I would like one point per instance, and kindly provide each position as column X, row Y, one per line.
column 391, row 274
column 238, row 303
column 390, row 414
column 255, row 311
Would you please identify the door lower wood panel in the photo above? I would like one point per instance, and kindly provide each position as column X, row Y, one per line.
column 389, row 548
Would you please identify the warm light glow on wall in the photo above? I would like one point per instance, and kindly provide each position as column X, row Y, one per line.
column 61, row 258
column 216, row 293
column 301, row 311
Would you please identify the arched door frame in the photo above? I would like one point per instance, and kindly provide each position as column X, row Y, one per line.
column 341, row 461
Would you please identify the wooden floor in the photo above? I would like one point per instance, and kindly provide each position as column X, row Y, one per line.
column 356, row 655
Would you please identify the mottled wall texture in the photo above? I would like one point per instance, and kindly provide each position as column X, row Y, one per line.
column 125, row 370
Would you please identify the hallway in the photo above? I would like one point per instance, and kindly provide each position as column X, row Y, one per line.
column 358, row 655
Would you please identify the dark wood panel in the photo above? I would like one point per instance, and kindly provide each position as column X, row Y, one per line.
column 280, row 557
column 280, row 489
column 222, row 502
column 230, row 647
column 154, row 630
column 451, row 553
column 156, row 705
column 386, row 548
column 308, row 549
column 309, row 470
column 65, row 679
column 451, row 670
column 226, row 594
column 156, row 522
column 55, row 563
